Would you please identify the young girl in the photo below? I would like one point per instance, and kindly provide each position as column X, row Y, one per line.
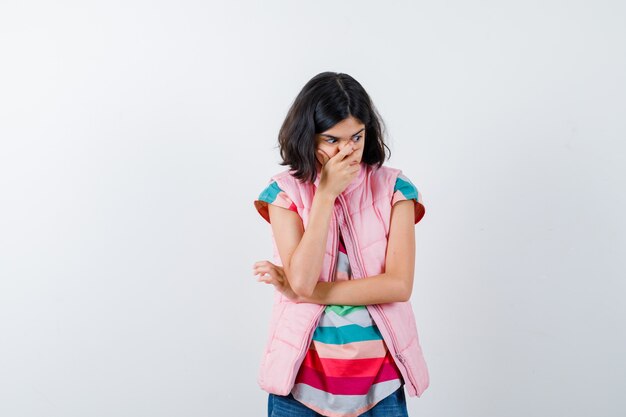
column 342, row 339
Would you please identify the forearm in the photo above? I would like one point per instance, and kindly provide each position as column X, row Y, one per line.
column 377, row 289
column 306, row 261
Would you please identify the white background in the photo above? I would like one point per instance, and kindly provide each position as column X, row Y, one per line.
column 136, row 134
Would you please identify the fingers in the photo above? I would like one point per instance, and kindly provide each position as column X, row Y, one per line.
column 351, row 162
column 257, row 263
column 263, row 269
column 266, row 277
column 342, row 154
column 353, row 159
column 266, row 272
column 345, row 151
column 339, row 156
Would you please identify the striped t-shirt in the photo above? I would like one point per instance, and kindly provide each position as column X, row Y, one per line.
column 348, row 368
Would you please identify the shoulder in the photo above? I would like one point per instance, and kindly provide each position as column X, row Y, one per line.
column 405, row 186
column 404, row 189
column 287, row 182
column 277, row 191
column 382, row 178
column 383, row 171
column 284, row 175
column 395, row 177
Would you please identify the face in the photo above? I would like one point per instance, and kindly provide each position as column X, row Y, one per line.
column 334, row 139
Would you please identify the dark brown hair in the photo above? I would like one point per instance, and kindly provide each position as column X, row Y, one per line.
column 325, row 100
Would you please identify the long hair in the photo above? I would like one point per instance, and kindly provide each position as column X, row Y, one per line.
column 325, row 100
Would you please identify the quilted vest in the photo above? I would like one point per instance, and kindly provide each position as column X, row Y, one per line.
column 362, row 212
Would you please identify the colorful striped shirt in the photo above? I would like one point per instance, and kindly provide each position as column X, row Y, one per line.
column 348, row 368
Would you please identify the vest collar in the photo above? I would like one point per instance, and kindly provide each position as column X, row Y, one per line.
column 355, row 182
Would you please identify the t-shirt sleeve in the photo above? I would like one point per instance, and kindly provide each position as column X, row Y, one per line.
column 272, row 194
column 404, row 189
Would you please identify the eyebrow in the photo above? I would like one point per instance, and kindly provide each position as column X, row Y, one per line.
column 334, row 137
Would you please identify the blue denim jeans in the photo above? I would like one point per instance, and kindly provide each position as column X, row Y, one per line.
column 286, row 406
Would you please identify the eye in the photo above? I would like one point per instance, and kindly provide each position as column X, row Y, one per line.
column 330, row 139
column 357, row 138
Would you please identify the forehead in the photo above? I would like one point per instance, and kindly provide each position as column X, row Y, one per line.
column 346, row 128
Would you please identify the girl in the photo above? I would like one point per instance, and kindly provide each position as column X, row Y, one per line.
column 343, row 340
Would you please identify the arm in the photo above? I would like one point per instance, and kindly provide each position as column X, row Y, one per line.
column 302, row 252
column 395, row 284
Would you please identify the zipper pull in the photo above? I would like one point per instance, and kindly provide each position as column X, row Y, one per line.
column 400, row 357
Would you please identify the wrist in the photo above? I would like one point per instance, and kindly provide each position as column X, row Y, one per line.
column 323, row 193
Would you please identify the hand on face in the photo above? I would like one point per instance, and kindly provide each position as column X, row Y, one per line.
column 339, row 170
column 354, row 153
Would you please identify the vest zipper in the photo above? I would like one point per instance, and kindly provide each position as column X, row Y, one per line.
column 304, row 347
column 378, row 308
column 400, row 357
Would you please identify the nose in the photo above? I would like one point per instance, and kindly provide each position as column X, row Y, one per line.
column 343, row 145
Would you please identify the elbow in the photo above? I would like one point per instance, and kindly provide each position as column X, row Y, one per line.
column 405, row 295
column 405, row 288
column 298, row 283
column 400, row 284
column 302, row 290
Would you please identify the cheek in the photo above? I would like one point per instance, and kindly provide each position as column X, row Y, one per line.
column 329, row 150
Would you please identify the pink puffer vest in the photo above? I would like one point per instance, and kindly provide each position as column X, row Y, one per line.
column 362, row 213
